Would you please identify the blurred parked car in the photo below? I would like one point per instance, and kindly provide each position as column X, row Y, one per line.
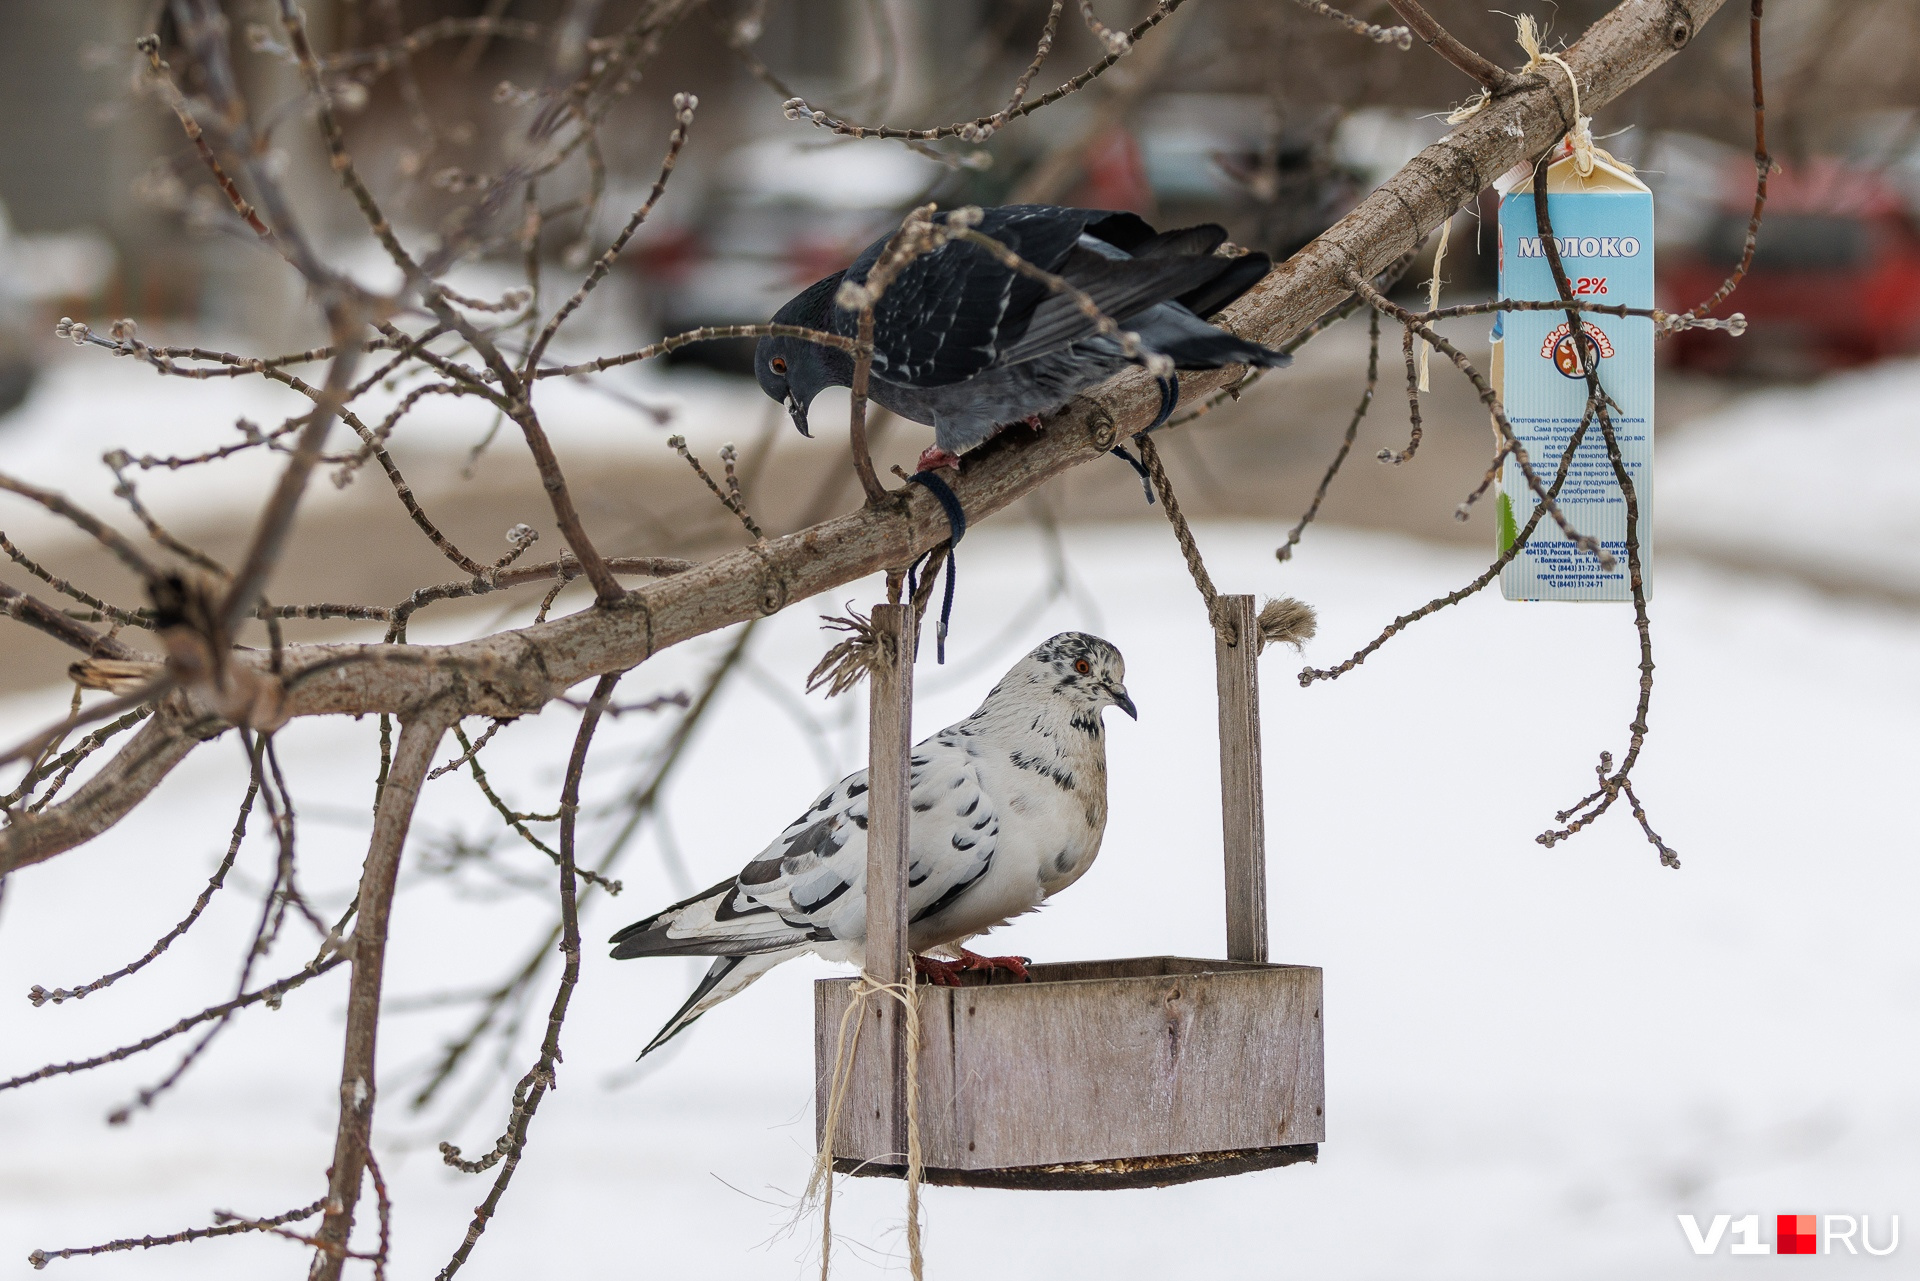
column 778, row 216
column 37, row 274
column 1835, row 279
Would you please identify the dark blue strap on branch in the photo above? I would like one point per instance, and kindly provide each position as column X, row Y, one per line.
column 957, row 520
column 1140, row 468
column 1169, row 397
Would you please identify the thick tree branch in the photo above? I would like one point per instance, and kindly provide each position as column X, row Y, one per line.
column 513, row 673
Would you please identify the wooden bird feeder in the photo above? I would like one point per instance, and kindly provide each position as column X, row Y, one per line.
column 1097, row 1074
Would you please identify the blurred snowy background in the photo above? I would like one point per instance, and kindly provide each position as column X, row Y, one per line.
column 1536, row 1058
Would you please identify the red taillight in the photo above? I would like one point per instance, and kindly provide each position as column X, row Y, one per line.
column 668, row 254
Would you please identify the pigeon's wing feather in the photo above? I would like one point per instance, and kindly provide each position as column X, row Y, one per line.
column 724, row 921
column 743, row 916
column 810, row 884
column 1245, row 272
column 821, row 882
column 1120, row 287
column 955, row 825
column 949, row 314
column 1124, row 231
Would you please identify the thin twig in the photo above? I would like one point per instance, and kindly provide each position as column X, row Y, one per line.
column 1398, row 36
column 229, row 1227
column 1495, row 78
column 541, row 1078
column 1285, row 550
column 1763, row 167
column 39, row 995
column 270, row 992
column 797, row 108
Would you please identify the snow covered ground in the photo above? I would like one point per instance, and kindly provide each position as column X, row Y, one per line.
column 1823, row 479
column 1536, row 1058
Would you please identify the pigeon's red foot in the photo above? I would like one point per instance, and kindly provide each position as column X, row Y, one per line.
column 933, row 458
column 939, row 973
column 1014, row 965
column 1033, row 421
column 947, row 973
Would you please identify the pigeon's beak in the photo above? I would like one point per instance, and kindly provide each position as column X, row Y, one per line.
column 1121, row 701
column 798, row 412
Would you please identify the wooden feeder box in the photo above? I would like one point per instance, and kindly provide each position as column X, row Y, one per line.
column 1097, row 1074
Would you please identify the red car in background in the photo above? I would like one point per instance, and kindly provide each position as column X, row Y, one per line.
column 1835, row 280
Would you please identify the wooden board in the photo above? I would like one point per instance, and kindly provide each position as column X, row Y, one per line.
column 881, row 1047
column 1100, row 1176
column 1095, row 1061
column 1236, row 657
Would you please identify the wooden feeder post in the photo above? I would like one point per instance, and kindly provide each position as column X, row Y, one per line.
column 1236, row 656
column 881, row 1056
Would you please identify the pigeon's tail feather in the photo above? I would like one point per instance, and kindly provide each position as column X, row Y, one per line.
column 1212, row 351
column 729, row 976
column 1195, row 344
column 720, row 922
column 1122, row 288
column 1246, row 272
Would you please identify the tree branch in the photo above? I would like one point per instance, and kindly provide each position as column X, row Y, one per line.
column 40, row 616
column 419, row 737
column 1496, row 78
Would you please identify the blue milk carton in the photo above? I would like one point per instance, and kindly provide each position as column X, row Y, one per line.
column 1603, row 221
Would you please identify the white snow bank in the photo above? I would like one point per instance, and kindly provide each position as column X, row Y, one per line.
column 1535, row 1058
column 1823, row 479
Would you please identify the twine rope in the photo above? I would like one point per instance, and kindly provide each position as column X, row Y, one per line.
column 1283, row 620
column 1433, row 295
column 1182, row 533
column 1580, row 137
column 820, row 1182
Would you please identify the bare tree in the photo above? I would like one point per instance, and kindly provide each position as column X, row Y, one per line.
column 496, row 354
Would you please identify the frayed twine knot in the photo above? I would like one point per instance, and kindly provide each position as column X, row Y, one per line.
column 1580, row 137
column 1286, row 621
column 849, row 661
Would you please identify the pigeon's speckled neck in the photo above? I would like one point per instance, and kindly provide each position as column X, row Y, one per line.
column 1047, row 711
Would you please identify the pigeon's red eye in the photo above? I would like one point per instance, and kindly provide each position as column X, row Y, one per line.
column 1082, row 666
column 779, row 364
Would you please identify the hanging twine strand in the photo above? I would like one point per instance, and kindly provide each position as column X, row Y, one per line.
column 820, row 1182
column 1182, row 532
column 1580, row 137
column 1433, row 296
column 1282, row 620
column 1461, row 115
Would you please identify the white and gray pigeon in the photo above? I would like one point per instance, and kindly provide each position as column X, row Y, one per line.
column 1008, row 808
column 968, row 345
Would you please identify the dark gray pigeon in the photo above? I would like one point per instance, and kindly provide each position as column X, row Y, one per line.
column 970, row 345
